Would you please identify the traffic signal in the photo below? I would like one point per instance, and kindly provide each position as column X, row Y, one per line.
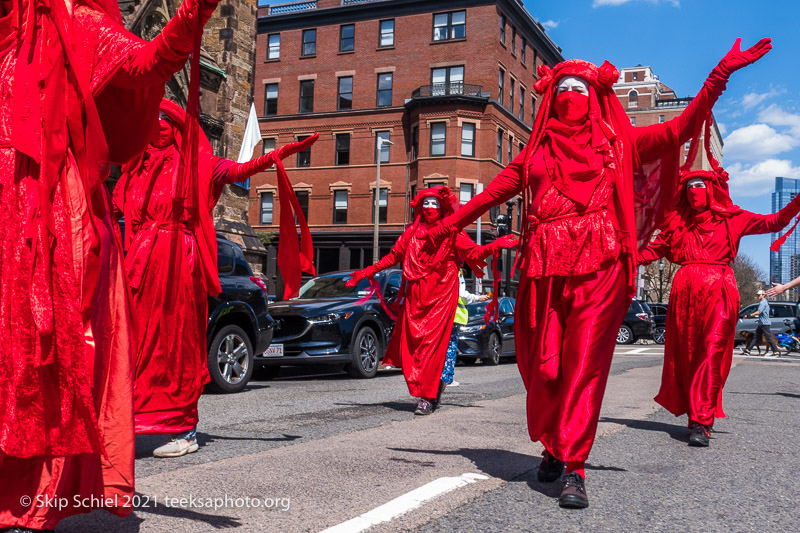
column 503, row 225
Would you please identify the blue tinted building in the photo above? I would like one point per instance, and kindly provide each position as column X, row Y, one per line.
column 780, row 263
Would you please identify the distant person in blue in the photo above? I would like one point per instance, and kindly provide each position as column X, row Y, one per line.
column 762, row 326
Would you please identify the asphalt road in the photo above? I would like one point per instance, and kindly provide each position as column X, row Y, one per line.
column 310, row 452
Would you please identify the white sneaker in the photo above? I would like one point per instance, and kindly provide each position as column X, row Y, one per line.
column 770, row 354
column 454, row 384
column 176, row 447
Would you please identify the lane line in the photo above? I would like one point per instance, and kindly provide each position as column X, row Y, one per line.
column 405, row 503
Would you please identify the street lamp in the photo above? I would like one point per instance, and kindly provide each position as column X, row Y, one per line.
column 661, row 280
column 509, row 210
column 378, row 145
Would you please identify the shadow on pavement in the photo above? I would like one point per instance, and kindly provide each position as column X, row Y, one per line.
column 145, row 444
column 784, row 394
column 677, row 432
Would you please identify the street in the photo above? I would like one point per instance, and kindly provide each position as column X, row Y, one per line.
column 308, row 452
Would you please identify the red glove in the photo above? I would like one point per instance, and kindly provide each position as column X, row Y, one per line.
column 506, row 241
column 737, row 59
column 357, row 276
column 242, row 171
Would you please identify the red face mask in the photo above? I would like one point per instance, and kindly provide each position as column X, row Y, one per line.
column 698, row 198
column 431, row 214
column 165, row 136
column 571, row 108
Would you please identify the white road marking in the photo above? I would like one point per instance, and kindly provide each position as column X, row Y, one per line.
column 405, row 503
column 637, row 350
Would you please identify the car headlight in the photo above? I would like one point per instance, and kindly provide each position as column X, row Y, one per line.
column 472, row 329
column 329, row 318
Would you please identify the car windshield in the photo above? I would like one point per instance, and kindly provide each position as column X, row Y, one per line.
column 476, row 309
column 332, row 287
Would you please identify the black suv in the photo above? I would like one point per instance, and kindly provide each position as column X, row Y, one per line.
column 239, row 325
column 488, row 342
column 329, row 323
column 659, row 321
column 638, row 323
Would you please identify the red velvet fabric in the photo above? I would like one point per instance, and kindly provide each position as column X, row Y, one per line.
column 66, row 392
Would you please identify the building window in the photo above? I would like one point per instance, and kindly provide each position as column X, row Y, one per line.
column 448, row 26
column 309, row 42
column 347, row 37
column 533, row 110
column 523, row 45
column 633, row 121
column 345, row 100
column 468, row 139
column 266, row 208
column 499, row 155
column 340, row 207
column 387, row 33
column 521, row 104
column 513, row 40
column 633, row 99
column 688, row 145
column 635, row 76
column 503, row 29
column 383, row 202
column 307, row 96
column 270, row 99
column 510, row 147
column 447, row 80
column 302, row 199
column 274, row 46
column 268, row 145
column 384, row 89
column 438, row 138
column 414, row 143
column 511, row 95
column 661, row 119
column 465, row 192
column 501, row 86
column 304, row 157
column 343, row 149
column 382, row 135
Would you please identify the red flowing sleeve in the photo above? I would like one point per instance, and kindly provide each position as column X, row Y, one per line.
column 472, row 253
column 657, row 249
column 748, row 223
column 396, row 255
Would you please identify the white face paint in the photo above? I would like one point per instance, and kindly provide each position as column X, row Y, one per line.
column 430, row 201
column 572, row 83
column 695, row 183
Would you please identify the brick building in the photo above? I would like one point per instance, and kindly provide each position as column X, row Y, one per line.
column 648, row 101
column 448, row 82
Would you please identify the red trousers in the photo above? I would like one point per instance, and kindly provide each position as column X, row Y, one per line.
column 566, row 329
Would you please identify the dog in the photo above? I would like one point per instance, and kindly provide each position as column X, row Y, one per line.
column 748, row 335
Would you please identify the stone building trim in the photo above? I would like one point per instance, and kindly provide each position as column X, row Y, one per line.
column 381, row 70
column 270, row 80
column 304, row 77
column 340, row 186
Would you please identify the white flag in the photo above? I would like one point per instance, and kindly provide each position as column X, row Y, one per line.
column 252, row 137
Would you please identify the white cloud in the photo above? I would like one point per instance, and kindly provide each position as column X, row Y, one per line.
column 602, row 3
column 776, row 116
column 723, row 129
column 750, row 100
column 758, row 179
column 757, row 141
column 550, row 24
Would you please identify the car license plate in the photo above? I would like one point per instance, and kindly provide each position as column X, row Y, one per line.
column 274, row 350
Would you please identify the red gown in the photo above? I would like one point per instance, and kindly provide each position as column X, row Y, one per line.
column 66, row 391
column 704, row 307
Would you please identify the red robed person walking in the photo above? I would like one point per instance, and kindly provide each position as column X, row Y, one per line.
column 78, row 92
column 580, row 243
column 430, row 293
column 702, row 235
column 171, row 265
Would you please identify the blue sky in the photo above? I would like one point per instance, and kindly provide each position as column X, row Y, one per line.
column 759, row 113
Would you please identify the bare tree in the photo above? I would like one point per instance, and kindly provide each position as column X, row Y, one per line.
column 658, row 280
column 748, row 278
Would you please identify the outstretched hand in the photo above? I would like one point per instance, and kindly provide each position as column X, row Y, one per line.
column 737, row 58
column 776, row 289
column 507, row 241
column 357, row 276
column 292, row 148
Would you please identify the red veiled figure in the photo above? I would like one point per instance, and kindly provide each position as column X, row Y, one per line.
column 171, row 267
column 584, row 176
column 430, row 293
column 702, row 235
column 78, row 92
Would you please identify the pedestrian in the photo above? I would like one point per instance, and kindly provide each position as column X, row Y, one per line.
column 763, row 321
column 702, row 235
column 580, row 242
column 79, row 92
column 171, row 267
column 430, row 293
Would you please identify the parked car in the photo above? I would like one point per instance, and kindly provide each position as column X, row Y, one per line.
column 659, row 321
column 638, row 323
column 781, row 315
column 487, row 342
column 239, row 325
column 329, row 323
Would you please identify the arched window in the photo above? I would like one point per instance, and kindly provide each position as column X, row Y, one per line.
column 633, row 99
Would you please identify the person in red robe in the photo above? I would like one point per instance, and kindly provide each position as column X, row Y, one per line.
column 171, row 267
column 580, row 240
column 430, row 292
column 702, row 235
column 78, row 92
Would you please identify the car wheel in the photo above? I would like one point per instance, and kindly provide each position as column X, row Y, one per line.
column 266, row 372
column 625, row 335
column 659, row 334
column 366, row 354
column 230, row 360
column 493, row 350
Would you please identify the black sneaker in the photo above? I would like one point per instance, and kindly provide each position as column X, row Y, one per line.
column 424, row 407
column 699, row 436
column 550, row 468
column 435, row 402
column 573, row 495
